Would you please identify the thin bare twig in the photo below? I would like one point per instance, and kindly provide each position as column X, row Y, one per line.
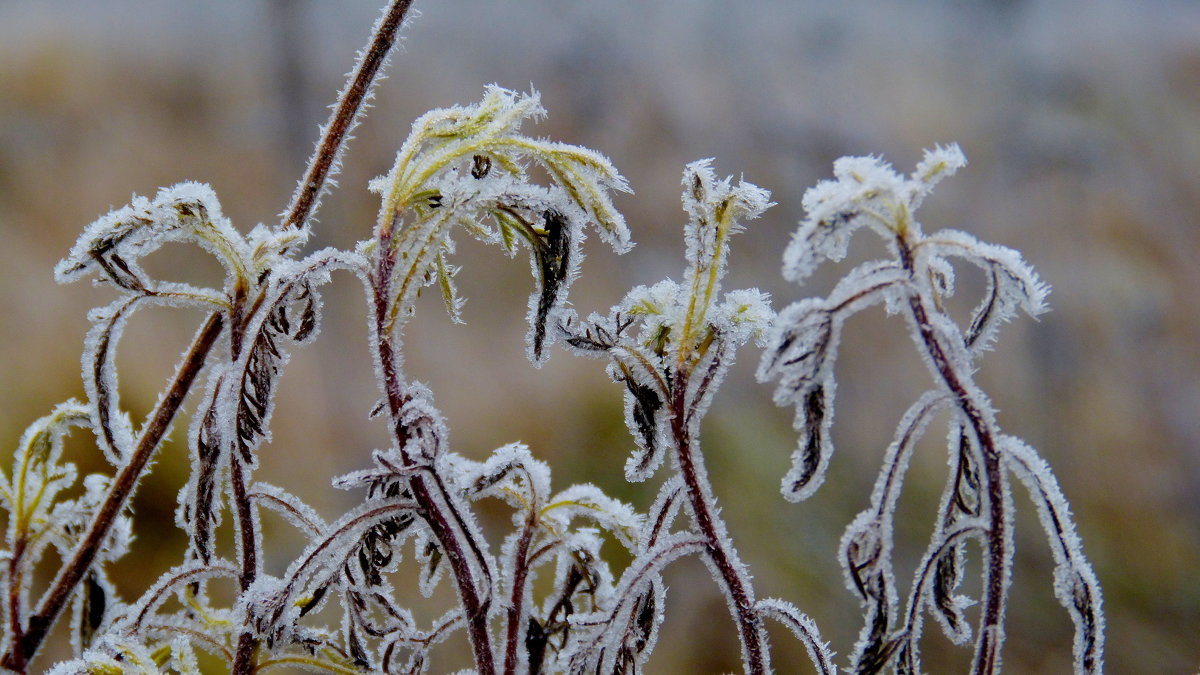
column 346, row 113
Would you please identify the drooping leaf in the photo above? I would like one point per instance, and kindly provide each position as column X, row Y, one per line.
column 1012, row 283
column 811, row 458
column 804, row 628
column 111, row 245
column 1075, row 583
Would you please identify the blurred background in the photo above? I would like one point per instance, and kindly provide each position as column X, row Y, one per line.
column 1081, row 121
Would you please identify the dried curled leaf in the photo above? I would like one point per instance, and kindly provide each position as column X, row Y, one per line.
column 801, row 347
column 647, row 419
column 613, row 635
column 361, row 538
column 1012, row 283
column 811, row 458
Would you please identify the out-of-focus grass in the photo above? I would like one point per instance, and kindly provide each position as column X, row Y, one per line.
column 1081, row 120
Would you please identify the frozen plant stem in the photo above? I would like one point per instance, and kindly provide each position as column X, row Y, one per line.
column 867, row 193
column 349, row 108
column 990, row 636
column 323, row 165
column 465, row 168
column 433, row 500
column 991, row 625
column 672, row 367
column 471, row 169
column 718, row 547
column 243, row 662
column 513, row 614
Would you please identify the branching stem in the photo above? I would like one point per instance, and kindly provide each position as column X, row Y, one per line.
column 24, row 643
column 433, row 499
column 991, row 626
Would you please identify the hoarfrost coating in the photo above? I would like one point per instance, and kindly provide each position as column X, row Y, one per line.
column 669, row 347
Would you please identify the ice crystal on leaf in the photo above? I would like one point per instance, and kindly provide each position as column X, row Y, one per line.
column 1075, row 583
column 112, row 245
column 685, row 337
column 865, row 191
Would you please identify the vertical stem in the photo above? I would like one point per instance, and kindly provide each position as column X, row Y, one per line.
column 436, row 503
column 708, row 522
column 991, row 626
column 245, row 523
column 243, row 662
column 243, row 659
column 24, row 643
column 323, row 165
column 516, row 616
column 24, row 646
column 15, row 608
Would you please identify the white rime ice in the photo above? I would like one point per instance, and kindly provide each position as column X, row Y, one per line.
column 1012, row 283
column 805, row 630
column 802, row 348
column 671, row 345
column 112, row 244
column 290, row 507
column 866, row 191
column 111, row 247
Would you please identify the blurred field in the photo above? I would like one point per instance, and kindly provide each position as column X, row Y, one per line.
column 1081, row 121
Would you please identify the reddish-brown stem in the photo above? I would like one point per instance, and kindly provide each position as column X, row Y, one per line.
column 709, row 526
column 321, row 168
column 15, row 581
column 243, row 658
column 24, row 645
column 429, row 491
column 515, row 616
column 991, row 623
column 345, row 114
column 243, row 662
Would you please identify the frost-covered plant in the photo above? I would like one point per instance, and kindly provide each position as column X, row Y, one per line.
column 670, row 345
column 471, row 169
column 977, row 501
